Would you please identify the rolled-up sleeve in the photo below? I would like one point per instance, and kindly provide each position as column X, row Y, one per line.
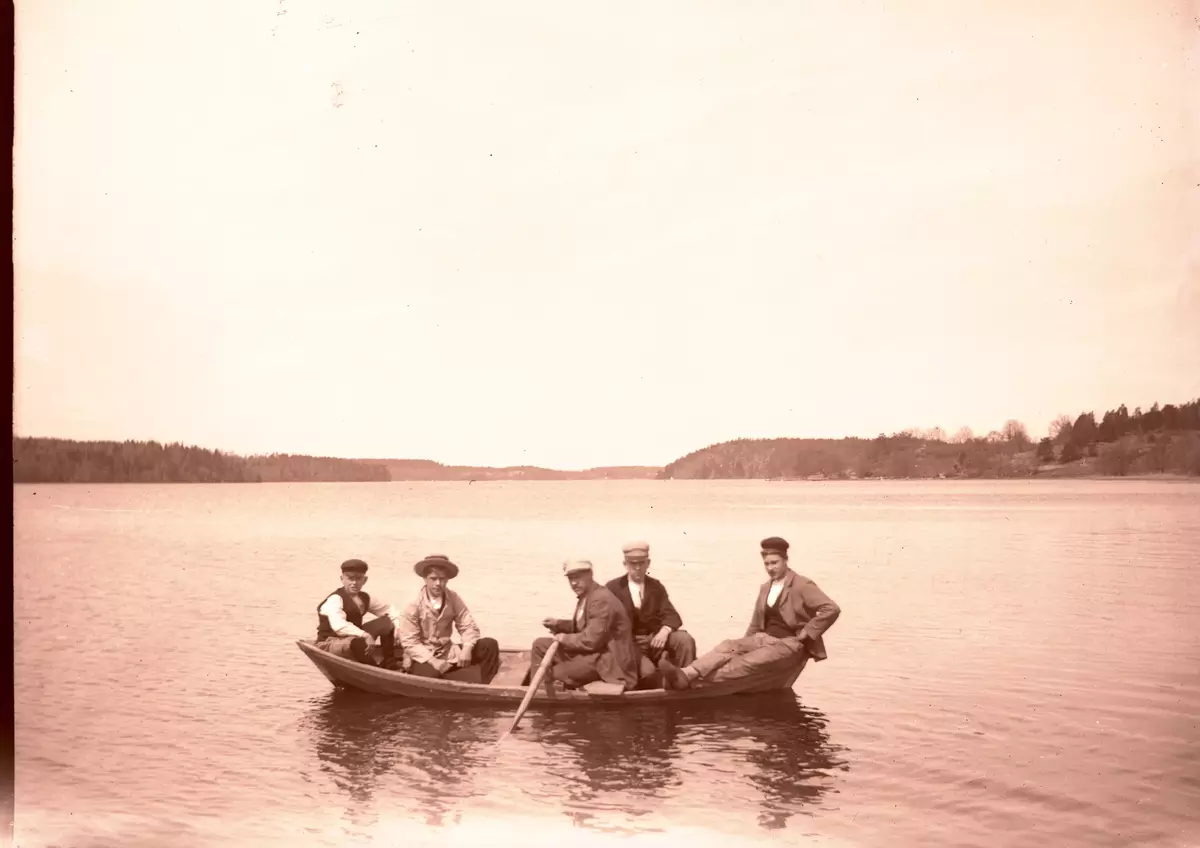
column 336, row 615
column 382, row 608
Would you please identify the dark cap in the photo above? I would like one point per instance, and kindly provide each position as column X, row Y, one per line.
column 775, row 545
column 354, row 566
column 436, row 561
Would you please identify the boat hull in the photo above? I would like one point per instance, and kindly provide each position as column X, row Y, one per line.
column 355, row 675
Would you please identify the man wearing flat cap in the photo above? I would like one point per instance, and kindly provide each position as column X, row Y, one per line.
column 657, row 627
column 790, row 616
column 340, row 626
column 428, row 624
column 594, row 644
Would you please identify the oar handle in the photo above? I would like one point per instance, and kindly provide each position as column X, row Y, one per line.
column 533, row 685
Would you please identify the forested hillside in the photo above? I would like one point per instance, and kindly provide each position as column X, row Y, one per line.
column 1165, row 440
column 37, row 460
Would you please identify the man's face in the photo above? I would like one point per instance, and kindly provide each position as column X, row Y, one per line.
column 775, row 564
column 353, row 581
column 435, row 582
column 637, row 568
column 580, row 582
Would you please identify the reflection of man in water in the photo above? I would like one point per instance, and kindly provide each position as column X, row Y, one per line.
column 605, row 760
column 411, row 762
column 789, row 617
column 793, row 757
column 340, row 627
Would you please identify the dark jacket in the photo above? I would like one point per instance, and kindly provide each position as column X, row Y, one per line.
column 656, row 610
column 804, row 607
column 605, row 630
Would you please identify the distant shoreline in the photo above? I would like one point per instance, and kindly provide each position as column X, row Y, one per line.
column 1164, row 454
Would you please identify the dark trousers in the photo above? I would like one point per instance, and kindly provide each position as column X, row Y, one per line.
column 680, row 650
column 485, row 662
column 343, row 646
column 571, row 671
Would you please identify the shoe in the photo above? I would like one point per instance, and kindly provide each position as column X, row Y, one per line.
column 673, row 676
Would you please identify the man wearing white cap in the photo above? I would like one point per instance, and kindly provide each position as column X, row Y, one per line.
column 596, row 643
column 657, row 626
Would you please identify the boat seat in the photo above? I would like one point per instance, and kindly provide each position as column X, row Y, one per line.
column 600, row 689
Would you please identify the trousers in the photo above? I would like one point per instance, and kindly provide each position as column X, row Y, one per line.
column 485, row 662
column 343, row 646
column 680, row 650
column 735, row 658
column 572, row 672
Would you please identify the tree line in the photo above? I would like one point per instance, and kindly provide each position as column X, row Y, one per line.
column 1160, row 440
column 41, row 460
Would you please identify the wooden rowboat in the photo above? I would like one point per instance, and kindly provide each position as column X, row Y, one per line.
column 506, row 687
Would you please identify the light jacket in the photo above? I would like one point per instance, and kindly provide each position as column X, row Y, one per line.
column 425, row 632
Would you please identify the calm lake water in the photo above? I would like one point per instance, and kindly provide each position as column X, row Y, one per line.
column 1015, row 661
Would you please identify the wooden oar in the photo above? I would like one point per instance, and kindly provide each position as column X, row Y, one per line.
column 533, row 685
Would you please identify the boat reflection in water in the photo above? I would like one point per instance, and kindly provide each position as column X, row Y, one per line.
column 662, row 763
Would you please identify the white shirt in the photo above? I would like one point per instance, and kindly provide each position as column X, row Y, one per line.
column 773, row 594
column 332, row 609
column 635, row 592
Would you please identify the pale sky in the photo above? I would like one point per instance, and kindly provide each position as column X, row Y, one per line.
column 573, row 235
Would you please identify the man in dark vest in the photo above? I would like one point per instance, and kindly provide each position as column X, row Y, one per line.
column 657, row 627
column 789, row 617
column 340, row 627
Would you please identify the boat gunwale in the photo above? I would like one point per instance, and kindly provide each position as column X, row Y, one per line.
column 400, row 684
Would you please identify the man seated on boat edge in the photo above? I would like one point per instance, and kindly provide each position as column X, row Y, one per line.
column 790, row 615
column 657, row 626
column 340, row 627
column 596, row 644
column 427, row 626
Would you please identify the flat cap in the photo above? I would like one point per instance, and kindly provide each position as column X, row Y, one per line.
column 354, row 566
column 775, row 545
column 636, row 550
column 440, row 561
column 572, row 566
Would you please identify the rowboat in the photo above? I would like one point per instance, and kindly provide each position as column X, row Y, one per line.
column 506, row 687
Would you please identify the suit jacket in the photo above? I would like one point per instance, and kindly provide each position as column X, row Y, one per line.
column 605, row 629
column 804, row 607
column 656, row 610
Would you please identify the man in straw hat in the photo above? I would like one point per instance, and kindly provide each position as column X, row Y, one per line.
column 790, row 615
column 657, row 626
column 428, row 624
column 596, row 643
column 340, row 626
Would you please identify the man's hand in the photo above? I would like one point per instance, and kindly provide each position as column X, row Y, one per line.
column 548, row 623
column 558, row 637
column 369, row 640
column 660, row 638
column 464, row 656
column 442, row 666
